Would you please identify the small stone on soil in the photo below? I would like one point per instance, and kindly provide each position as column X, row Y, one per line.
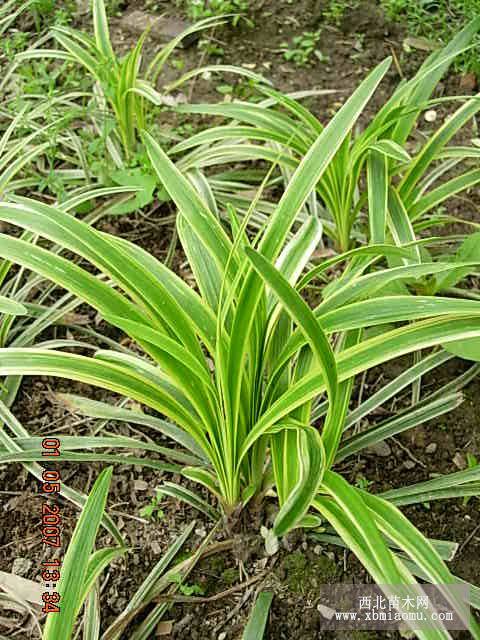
column 164, row 628
column 21, row 566
column 82, row 7
column 162, row 29
column 155, row 547
column 468, row 82
column 326, row 612
column 381, row 449
column 431, row 448
column 459, row 460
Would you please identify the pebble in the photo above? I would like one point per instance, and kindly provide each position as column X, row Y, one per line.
column 409, row 464
column 381, row 449
column 431, row 448
column 468, row 82
column 21, row 566
column 459, row 461
column 183, row 623
column 222, row 635
column 430, row 115
column 160, row 28
column 155, row 547
column 326, row 612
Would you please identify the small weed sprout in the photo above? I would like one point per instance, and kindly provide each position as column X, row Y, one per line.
column 236, row 10
column 303, row 49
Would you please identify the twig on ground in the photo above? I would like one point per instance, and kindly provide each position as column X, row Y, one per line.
column 217, row 596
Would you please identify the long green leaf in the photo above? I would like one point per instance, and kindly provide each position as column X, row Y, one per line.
column 76, row 562
column 258, row 620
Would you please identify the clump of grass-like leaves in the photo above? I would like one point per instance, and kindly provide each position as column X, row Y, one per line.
column 122, row 85
column 403, row 192
column 255, row 383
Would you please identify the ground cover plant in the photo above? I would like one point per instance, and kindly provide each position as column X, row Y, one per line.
column 120, row 98
column 308, row 268
column 435, row 20
column 122, row 87
column 264, row 380
column 234, row 9
column 398, row 186
column 427, row 23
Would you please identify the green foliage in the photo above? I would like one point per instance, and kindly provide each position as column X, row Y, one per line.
column 124, row 88
column 230, row 576
column 361, row 482
column 472, row 463
column 48, row 13
column 468, row 251
column 13, row 44
column 303, row 49
column 211, row 48
column 10, row 10
column 153, row 511
column 44, row 6
column 37, row 77
column 248, row 370
column 258, row 619
column 81, row 565
column 114, row 95
column 201, row 9
column 435, row 20
column 403, row 193
column 82, row 569
column 186, row 589
column 255, row 382
column 335, row 10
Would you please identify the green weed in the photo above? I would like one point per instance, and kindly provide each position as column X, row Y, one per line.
column 303, row 49
column 237, row 10
column 437, row 20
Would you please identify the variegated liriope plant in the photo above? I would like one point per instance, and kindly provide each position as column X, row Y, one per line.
column 122, row 86
column 242, row 365
column 402, row 191
column 125, row 98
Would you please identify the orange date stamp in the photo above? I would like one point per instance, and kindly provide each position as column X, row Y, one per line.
column 51, row 527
